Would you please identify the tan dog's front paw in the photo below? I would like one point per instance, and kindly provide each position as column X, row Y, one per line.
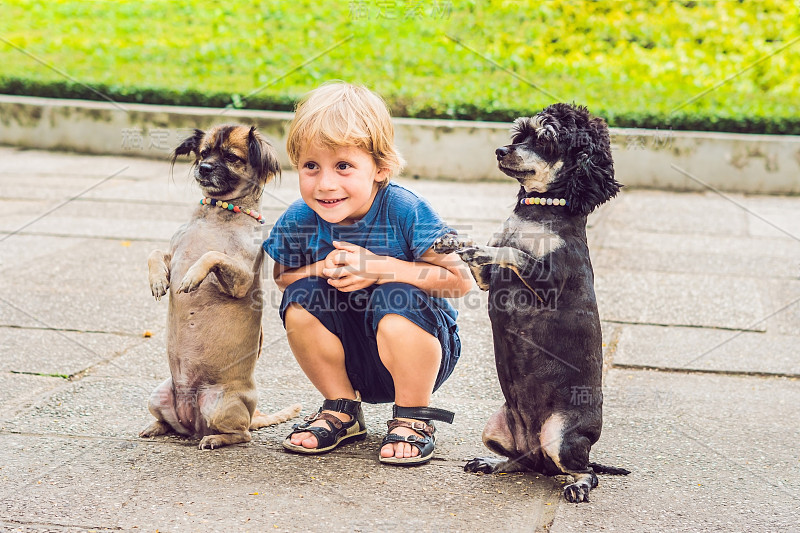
column 192, row 280
column 159, row 288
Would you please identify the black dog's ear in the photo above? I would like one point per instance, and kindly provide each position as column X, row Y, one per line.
column 188, row 145
column 587, row 177
column 262, row 156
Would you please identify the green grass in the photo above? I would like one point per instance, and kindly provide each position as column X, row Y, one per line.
column 647, row 63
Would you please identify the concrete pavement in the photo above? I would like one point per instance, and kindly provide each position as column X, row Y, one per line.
column 699, row 295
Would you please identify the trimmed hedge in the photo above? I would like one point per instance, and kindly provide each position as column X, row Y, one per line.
column 677, row 121
column 633, row 62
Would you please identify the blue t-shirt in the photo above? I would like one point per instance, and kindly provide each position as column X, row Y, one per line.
column 399, row 224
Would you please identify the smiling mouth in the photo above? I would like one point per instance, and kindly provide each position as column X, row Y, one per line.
column 331, row 203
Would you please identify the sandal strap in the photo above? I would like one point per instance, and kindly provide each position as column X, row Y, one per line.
column 342, row 405
column 411, row 439
column 423, row 413
column 330, row 419
column 416, row 425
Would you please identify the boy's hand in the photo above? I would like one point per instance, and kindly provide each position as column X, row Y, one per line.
column 350, row 267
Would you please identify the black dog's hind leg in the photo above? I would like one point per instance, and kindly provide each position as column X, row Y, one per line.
column 493, row 465
column 499, row 439
column 573, row 459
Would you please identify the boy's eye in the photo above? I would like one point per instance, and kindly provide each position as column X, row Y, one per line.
column 343, row 165
column 310, row 165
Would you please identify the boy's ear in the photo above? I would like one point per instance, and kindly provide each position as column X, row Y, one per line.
column 382, row 174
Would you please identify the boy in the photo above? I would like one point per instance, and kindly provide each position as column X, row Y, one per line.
column 362, row 303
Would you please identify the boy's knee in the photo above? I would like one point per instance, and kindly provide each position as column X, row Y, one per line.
column 296, row 314
column 399, row 327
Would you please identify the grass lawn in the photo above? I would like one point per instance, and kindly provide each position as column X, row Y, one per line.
column 718, row 64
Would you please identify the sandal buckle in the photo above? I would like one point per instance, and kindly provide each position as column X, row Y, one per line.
column 419, row 426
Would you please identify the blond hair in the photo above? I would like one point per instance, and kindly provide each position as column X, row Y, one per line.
column 339, row 114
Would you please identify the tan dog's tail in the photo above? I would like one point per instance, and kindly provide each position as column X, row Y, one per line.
column 261, row 420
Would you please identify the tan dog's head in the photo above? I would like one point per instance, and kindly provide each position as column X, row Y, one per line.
column 231, row 161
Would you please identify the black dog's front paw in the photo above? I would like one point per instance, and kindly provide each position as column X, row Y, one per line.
column 576, row 493
column 486, row 465
column 447, row 244
column 476, row 256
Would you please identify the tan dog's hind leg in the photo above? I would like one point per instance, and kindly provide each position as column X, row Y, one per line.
column 227, row 417
column 233, row 275
column 158, row 273
column 155, row 429
column 162, row 406
column 261, row 420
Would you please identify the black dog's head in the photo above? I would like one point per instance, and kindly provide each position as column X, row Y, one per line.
column 565, row 152
column 230, row 161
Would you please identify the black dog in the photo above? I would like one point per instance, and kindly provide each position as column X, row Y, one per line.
column 546, row 328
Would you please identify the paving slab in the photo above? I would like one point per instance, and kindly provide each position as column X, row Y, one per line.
column 61, row 353
column 96, row 286
column 717, row 453
column 679, row 299
column 18, row 392
column 691, row 213
column 774, row 221
column 782, row 307
column 19, row 251
column 171, row 487
column 708, row 350
column 96, row 227
column 664, row 252
column 689, row 246
column 26, row 162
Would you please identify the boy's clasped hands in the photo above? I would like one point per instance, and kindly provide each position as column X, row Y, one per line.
column 350, row 267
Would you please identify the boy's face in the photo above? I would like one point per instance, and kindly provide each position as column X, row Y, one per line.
column 338, row 184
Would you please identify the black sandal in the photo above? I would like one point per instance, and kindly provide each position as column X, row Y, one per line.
column 423, row 417
column 337, row 433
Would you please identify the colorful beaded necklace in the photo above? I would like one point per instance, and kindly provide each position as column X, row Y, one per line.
column 235, row 208
column 543, row 201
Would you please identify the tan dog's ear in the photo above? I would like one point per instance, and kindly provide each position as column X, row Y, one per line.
column 262, row 156
column 188, row 145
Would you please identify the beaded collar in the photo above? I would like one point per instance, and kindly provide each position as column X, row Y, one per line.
column 543, row 201
column 230, row 207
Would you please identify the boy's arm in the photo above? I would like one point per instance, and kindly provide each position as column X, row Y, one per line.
column 440, row 275
column 285, row 276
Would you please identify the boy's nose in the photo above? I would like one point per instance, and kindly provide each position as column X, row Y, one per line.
column 327, row 181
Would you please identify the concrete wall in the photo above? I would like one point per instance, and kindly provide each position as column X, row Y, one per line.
column 438, row 149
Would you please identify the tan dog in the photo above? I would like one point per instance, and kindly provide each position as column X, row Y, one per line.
column 212, row 272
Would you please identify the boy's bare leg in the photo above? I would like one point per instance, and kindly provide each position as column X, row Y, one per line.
column 412, row 356
column 321, row 356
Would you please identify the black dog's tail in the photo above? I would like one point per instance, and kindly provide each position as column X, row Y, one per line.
column 603, row 469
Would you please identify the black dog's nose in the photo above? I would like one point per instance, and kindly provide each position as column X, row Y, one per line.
column 205, row 169
column 501, row 152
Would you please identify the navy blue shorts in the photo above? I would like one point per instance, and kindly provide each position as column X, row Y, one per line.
column 354, row 317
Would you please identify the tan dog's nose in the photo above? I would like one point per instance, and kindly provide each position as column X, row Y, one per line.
column 501, row 152
column 205, row 169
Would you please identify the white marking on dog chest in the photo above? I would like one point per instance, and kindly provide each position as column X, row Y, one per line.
column 533, row 237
